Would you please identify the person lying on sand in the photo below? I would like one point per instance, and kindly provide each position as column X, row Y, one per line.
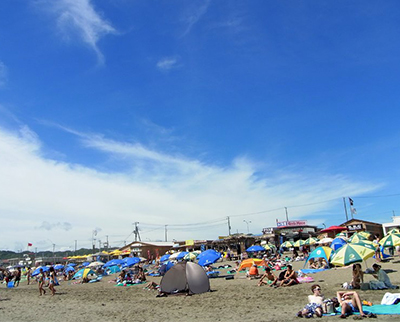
column 315, row 303
column 351, row 303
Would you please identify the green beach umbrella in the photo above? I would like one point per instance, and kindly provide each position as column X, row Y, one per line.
column 365, row 234
column 299, row 243
column 356, row 238
column 267, row 247
column 271, row 245
column 366, row 243
column 349, row 254
column 390, row 240
column 393, row 231
column 311, row 241
column 287, row 244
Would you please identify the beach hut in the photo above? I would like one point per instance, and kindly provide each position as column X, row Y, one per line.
column 185, row 277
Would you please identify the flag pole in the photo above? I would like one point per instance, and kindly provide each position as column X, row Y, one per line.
column 345, row 208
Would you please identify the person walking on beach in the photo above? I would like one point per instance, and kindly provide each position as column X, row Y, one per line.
column 41, row 280
column 52, row 281
column 29, row 275
column 17, row 277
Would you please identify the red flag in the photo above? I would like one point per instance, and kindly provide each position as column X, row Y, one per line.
column 29, row 244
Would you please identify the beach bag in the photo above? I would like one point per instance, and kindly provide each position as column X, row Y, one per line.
column 328, row 307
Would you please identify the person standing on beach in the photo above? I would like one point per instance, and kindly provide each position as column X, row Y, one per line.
column 52, row 281
column 41, row 280
column 17, row 276
column 29, row 275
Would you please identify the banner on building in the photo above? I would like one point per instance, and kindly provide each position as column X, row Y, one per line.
column 291, row 223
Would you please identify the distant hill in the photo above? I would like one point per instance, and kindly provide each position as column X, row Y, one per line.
column 6, row 254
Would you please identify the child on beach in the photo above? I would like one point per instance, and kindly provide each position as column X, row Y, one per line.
column 41, row 279
column 52, row 281
column 271, row 278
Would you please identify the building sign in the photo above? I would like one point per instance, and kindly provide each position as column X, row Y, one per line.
column 268, row 230
column 291, row 223
column 355, row 227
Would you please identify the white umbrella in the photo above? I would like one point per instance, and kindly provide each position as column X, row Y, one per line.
column 325, row 240
column 95, row 264
column 174, row 255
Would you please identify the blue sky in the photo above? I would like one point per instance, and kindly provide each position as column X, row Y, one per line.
column 182, row 113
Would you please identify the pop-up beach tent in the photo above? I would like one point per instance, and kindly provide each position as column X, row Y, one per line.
column 185, row 277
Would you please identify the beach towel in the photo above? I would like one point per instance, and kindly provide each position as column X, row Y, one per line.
column 312, row 271
column 305, row 279
column 390, row 298
column 382, row 309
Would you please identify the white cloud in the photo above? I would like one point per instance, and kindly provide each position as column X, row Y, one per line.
column 80, row 17
column 167, row 63
column 69, row 201
column 193, row 14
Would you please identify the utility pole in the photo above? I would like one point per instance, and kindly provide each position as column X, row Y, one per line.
column 287, row 217
column 345, row 208
column 136, row 231
column 76, row 244
column 107, row 243
column 229, row 226
column 165, row 227
column 54, row 255
column 99, row 245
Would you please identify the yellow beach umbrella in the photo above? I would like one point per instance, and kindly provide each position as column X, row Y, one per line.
column 299, row 243
column 287, row 244
column 349, row 254
column 390, row 240
column 311, row 241
column 355, row 238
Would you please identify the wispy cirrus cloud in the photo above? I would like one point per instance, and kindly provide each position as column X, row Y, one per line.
column 193, row 14
column 167, row 63
column 59, row 225
column 79, row 17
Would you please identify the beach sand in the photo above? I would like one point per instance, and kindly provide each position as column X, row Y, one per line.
column 231, row 300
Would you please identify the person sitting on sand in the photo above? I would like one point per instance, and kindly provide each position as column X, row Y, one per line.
column 315, row 303
column 313, row 264
column 382, row 276
column 253, row 272
column 351, row 303
column 290, row 277
column 269, row 276
column 358, row 276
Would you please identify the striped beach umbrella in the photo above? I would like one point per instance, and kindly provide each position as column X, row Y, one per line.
column 299, row 243
column 349, row 254
column 367, row 243
column 355, row 238
column 287, row 244
column 311, row 241
column 390, row 240
column 393, row 231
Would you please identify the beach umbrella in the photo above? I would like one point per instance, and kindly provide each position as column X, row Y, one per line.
column 190, row 256
column 71, row 264
column 164, row 257
column 209, row 258
column 69, row 269
column 349, row 254
column 181, row 255
column 334, row 229
column 37, row 270
column 84, row 264
column 287, row 244
column 130, row 261
column 390, row 240
column 174, row 255
column 114, row 262
column 95, row 264
column 59, row 266
column 342, row 235
column 299, row 243
column 367, row 243
column 255, row 248
column 365, row 234
column 337, row 243
column 271, row 245
column 393, row 231
column 311, row 241
column 326, row 240
column 207, row 252
column 355, row 238
column 267, row 247
column 321, row 252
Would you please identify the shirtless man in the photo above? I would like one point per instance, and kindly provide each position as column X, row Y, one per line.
column 315, row 303
column 350, row 302
column 269, row 276
column 290, row 277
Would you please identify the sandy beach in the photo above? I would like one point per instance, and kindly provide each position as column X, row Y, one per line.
column 230, row 300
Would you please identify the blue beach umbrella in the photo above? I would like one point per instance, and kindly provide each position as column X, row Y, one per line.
column 84, row 264
column 37, row 270
column 255, row 248
column 181, row 255
column 114, row 262
column 209, row 259
column 72, row 264
column 337, row 243
column 113, row 269
column 59, row 266
column 69, row 269
column 164, row 257
column 207, row 252
column 130, row 261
